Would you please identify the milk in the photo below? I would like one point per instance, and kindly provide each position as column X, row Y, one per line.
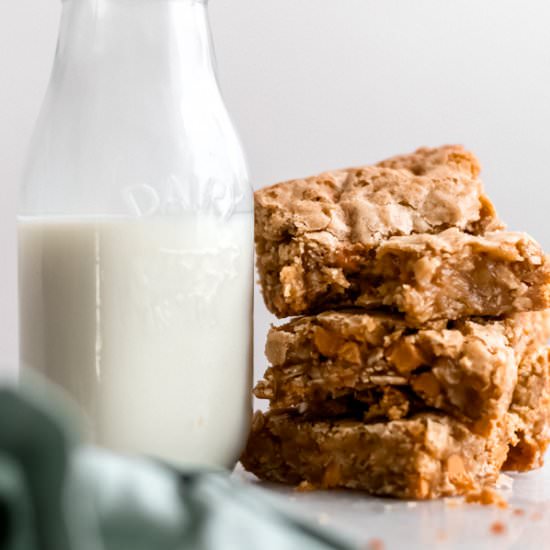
column 148, row 326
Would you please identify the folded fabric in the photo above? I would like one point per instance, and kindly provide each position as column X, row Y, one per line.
column 58, row 495
column 15, row 507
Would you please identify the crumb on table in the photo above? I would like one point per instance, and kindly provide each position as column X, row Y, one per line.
column 498, row 528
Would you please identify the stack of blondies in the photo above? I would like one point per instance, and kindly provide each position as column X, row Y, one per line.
column 417, row 363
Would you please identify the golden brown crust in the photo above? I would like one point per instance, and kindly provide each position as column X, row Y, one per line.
column 340, row 361
column 427, row 160
column 423, row 192
column 427, row 456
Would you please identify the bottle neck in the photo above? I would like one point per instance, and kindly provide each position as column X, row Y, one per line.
column 133, row 43
column 133, row 120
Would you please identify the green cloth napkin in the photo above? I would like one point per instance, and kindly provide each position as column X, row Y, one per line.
column 15, row 507
column 58, row 495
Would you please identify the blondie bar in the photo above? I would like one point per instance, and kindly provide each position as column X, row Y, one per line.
column 426, row 277
column 313, row 236
column 530, row 414
column 374, row 366
column 424, row 457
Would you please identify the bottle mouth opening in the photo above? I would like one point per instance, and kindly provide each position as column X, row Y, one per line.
column 148, row 1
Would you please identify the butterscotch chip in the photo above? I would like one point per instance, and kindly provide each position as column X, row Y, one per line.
column 455, row 466
column 406, row 356
column 326, row 343
column 426, row 384
column 373, row 366
column 424, row 457
column 350, row 352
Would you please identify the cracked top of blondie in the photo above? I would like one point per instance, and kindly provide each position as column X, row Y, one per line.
column 424, row 192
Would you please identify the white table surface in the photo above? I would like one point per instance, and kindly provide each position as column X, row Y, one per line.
column 442, row 524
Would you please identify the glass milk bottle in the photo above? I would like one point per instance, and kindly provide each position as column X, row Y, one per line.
column 136, row 235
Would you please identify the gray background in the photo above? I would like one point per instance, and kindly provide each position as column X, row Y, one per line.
column 318, row 84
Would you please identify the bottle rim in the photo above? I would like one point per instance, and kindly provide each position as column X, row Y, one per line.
column 179, row 1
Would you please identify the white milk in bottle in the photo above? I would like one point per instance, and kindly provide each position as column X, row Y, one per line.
column 148, row 326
